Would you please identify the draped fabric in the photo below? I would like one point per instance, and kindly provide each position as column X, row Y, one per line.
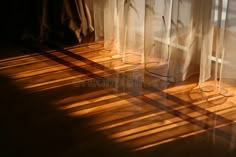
column 60, row 14
column 180, row 38
column 120, row 23
column 228, row 70
column 173, row 38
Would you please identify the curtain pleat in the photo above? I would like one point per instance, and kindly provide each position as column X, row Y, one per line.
column 127, row 16
column 228, row 71
column 60, row 14
column 98, row 7
column 182, row 35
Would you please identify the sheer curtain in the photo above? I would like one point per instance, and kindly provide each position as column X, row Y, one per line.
column 228, row 69
column 173, row 38
column 120, row 23
column 179, row 38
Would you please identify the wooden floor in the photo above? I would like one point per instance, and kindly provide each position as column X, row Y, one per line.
column 79, row 101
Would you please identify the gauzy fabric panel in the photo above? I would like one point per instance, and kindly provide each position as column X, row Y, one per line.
column 181, row 38
column 228, row 71
column 120, row 23
column 99, row 19
column 178, row 34
column 173, row 38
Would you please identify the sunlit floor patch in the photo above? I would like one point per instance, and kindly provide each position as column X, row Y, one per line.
column 121, row 101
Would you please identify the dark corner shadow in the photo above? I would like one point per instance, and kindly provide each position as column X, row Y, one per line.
column 32, row 127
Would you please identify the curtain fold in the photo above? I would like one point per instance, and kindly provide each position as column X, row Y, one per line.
column 228, row 70
column 60, row 14
column 173, row 38
column 182, row 35
column 120, row 23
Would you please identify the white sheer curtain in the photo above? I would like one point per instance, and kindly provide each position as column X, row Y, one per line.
column 120, row 23
column 228, row 70
column 179, row 36
column 173, row 38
